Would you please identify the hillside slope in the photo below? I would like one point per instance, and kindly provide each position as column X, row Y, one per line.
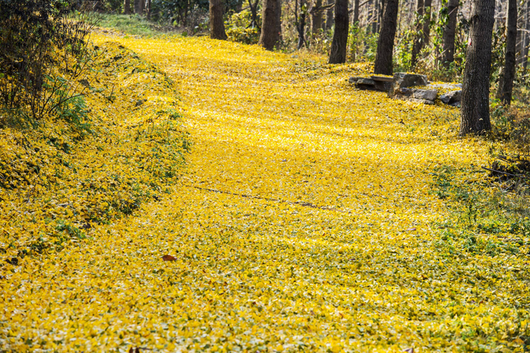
column 305, row 222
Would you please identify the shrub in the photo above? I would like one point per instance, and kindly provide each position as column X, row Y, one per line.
column 239, row 28
column 42, row 57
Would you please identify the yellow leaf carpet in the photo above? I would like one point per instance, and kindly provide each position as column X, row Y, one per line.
column 304, row 221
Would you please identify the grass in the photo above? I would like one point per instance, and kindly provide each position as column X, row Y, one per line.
column 135, row 25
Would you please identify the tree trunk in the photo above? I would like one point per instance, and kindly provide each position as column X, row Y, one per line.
column 423, row 28
column 385, row 43
column 300, row 24
column 279, row 22
column 375, row 17
column 449, row 31
column 526, row 36
column 416, row 47
column 253, row 13
column 340, row 34
column 504, row 93
column 136, row 6
column 317, row 15
column 355, row 12
column 475, row 116
column 217, row 27
column 127, row 7
column 329, row 16
column 269, row 26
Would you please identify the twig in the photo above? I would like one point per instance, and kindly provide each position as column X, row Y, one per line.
column 506, row 173
column 295, row 203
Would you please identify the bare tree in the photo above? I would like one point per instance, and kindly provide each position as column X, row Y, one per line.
column 217, row 27
column 269, row 28
column 475, row 114
column 449, row 31
column 340, row 34
column 385, row 42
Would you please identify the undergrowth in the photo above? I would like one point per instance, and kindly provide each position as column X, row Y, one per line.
column 135, row 25
column 95, row 164
column 489, row 215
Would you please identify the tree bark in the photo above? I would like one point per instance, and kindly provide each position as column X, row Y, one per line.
column 340, row 34
column 504, row 92
column 385, row 43
column 269, row 26
column 416, row 47
column 317, row 16
column 217, row 26
column 300, row 23
column 355, row 12
column 127, row 7
column 475, row 117
column 329, row 16
column 423, row 28
column 449, row 31
column 527, row 36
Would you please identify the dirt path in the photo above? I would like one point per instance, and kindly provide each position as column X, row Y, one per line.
column 304, row 222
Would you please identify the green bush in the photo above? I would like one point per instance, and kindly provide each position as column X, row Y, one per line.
column 239, row 28
column 42, row 57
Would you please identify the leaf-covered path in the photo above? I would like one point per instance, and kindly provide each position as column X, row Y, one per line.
column 304, row 222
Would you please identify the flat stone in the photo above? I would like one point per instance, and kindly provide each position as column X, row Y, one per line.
column 402, row 79
column 365, row 81
column 426, row 94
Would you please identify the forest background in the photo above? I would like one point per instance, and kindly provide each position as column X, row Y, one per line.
column 91, row 132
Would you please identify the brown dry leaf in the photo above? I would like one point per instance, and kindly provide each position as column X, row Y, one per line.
column 169, row 258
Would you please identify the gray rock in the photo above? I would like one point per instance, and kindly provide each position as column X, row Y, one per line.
column 365, row 81
column 418, row 100
column 354, row 79
column 403, row 80
column 426, row 94
column 452, row 97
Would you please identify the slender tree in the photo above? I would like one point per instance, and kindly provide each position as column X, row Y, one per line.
column 300, row 22
column 269, row 27
column 385, row 42
column 340, row 34
column 329, row 16
column 317, row 16
column 449, row 32
column 355, row 20
column 423, row 8
column 317, row 11
column 475, row 114
column 526, row 42
column 217, row 27
column 127, row 7
column 504, row 92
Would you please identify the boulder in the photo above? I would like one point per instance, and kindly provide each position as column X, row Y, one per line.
column 403, row 80
column 425, row 94
column 452, row 98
